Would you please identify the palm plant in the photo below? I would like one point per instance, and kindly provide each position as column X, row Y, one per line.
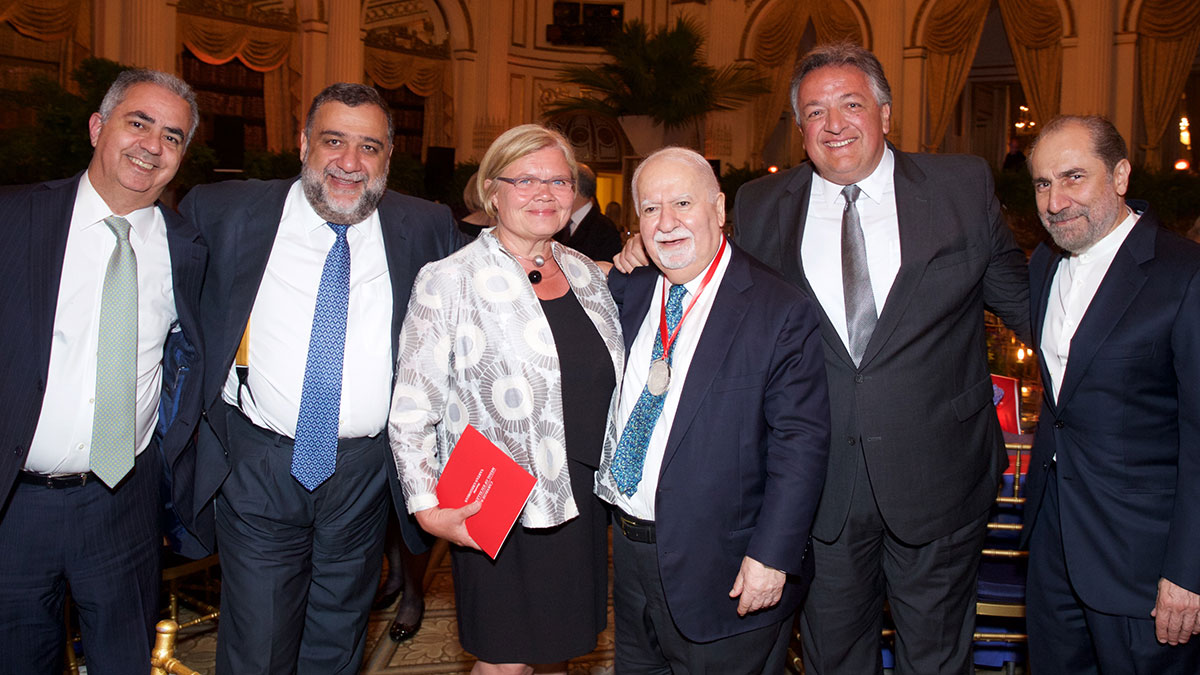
column 660, row 75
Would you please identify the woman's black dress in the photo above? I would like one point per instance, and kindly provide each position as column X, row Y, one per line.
column 544, row 598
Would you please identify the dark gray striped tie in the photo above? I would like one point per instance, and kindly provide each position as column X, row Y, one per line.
column 856, row 278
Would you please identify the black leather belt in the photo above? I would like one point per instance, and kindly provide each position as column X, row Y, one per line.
column 635, row 529
column 69, row 480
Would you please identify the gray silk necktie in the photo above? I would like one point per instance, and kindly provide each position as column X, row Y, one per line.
column 113, row 427
column 856, row 278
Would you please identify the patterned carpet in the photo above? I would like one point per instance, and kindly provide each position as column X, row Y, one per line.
column 435, row 648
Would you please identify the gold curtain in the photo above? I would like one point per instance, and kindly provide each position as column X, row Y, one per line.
column 775, row 51
column 215, row 41
column 951, row 36
column 393, row 70
column 1034, row 30
column 1168, row 37
column 41, row 19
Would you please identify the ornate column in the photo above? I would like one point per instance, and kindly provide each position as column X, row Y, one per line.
column 344, row 48
column 1124, row 97
column 314, row 35
column 147, row 34
column 107, row 29
column 908, row 101
column 1088, row 58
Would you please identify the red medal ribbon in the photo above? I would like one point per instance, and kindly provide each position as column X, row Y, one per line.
column 662, row 322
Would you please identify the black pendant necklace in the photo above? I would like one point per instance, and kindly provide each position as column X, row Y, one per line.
column 535, row 276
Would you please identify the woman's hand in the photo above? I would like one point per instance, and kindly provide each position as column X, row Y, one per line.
column 449, row 524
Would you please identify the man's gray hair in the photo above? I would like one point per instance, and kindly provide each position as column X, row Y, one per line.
column 120, row 87
column 841, row 54
column 351, row 95
column 684, row 156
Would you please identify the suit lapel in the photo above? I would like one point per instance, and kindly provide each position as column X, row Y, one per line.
column 253, row 237
column 639, row 287
column 724, row 321
column 918, row 241
column 1117, row 291
column 187, row 269
column 399, row 262
column 1042, row 267
column 793, row 215
column 49, row 220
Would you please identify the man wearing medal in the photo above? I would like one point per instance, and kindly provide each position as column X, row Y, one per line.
column 723, row 430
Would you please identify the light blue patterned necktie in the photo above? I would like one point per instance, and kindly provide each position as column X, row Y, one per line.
column 114, row 422
column 315, row 453
column 626, row 468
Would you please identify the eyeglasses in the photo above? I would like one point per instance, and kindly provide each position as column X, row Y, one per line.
column 528, row 185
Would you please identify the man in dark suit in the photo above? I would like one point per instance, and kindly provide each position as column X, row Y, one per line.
column 1111, row 520
column 902, row 252
column 725, row 428
column 589, row 231
column 303, row 301
column 98, row 305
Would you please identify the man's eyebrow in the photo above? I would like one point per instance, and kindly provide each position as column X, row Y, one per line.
column 1070, row 171
column 145, row 117
column 340, row 134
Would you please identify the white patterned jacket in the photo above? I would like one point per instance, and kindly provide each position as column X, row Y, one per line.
column 476, row 347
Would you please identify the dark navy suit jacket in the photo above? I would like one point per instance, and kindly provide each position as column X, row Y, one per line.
column 34, row 220
column 1126, row 425
column 920, row 401
column 240, row 220
column 745, row 460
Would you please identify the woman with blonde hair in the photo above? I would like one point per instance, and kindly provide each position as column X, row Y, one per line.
column 516, row 335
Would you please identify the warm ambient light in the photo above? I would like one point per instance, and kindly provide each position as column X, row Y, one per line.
column 1020, row 353
column 1182, row 165
column 1185, row 136
column 772, row 169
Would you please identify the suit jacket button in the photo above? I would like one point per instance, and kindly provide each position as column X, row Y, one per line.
column 850, row 440
column 858, row 379
column 1058, row 424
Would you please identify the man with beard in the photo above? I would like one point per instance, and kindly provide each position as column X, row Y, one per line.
column 303, row 299
column 724, row 419
column 1111, row 519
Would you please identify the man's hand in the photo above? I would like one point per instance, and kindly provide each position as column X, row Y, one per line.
column 1176, row 613
column 449, row 524
column 632, row 256
column 757, row 586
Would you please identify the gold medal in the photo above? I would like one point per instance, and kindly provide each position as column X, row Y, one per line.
column 660, row 377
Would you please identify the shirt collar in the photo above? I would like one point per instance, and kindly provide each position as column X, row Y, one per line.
column 91, row 210
column 873, row 186
column 1109, row 243
column 297, row 206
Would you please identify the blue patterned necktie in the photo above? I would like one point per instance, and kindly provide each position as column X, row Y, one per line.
column 315, row 453
column 114, row 430
column 626, row 468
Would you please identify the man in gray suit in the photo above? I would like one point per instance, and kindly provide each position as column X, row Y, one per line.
column 902, row 252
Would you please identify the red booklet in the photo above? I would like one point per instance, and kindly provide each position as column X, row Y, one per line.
column 478, row 471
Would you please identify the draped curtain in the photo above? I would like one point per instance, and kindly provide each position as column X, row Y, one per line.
column 952, row 34
column 1034, row 30
column 775, row 51
column 425, row 77
column 263, row 49
column 1168, row 37
column 42, row 19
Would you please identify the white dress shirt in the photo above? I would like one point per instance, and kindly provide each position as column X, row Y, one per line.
column 637, row 369
column 821, row 247
column 1074, row 285
column 281, row 323
column 63, row 439
column 578, row 216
